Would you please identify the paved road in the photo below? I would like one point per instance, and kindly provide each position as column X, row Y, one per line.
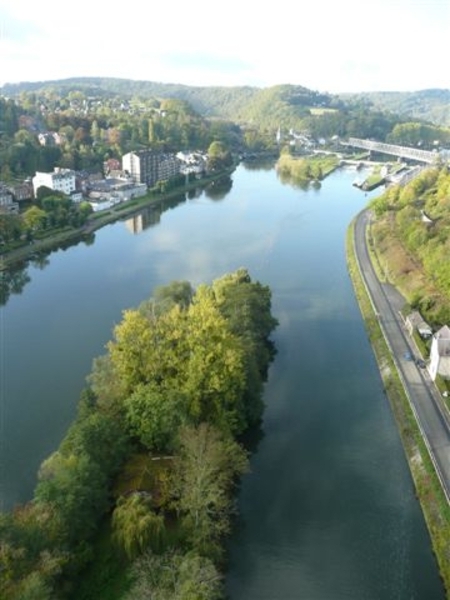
column 432, row 416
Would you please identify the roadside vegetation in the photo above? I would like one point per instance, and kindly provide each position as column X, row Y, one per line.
column 139, row 497
column 411, row 233
column 429, row 492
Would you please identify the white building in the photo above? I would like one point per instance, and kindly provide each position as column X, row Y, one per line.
column 61, row 180
column 440, row 354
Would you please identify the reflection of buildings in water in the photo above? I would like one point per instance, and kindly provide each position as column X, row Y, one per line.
column 195, row 193
column 142, row 220
column 151, row 215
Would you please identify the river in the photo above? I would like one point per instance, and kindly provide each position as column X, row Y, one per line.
column 328, row 511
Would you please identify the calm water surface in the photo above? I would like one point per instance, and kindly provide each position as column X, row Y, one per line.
column 328, row 511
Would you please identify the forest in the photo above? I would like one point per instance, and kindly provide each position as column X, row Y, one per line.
column 140, row 495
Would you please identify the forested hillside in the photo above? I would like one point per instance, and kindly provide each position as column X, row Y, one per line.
column 288, row 106
column 428, row 105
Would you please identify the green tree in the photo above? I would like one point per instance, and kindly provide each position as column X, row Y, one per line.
column 219, row 157
column 10, row 227
column 136, row 527
column 154, row 415
column 214, row 380
column 74, row 489
column 34, row 218
column 99, row 436
column 148, row 349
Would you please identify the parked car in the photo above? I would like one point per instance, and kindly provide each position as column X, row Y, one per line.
column 421, row 363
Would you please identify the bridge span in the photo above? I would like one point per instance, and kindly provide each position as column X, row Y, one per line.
column 402, row 151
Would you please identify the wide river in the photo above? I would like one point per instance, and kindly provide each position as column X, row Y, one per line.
column 328, row 511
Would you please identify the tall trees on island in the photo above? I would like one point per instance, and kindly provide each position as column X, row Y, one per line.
column 154, row 448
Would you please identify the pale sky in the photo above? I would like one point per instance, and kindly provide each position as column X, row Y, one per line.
column 330, row 46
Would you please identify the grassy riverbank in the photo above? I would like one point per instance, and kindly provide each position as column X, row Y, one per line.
column 428, row 489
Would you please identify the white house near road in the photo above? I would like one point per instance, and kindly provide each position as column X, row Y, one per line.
column 440, row 354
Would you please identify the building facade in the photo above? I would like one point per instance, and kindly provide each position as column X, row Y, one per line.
column 440, row 354
column 150, row 166
column 61, row 180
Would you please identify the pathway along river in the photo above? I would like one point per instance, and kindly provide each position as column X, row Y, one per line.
column 328, row 511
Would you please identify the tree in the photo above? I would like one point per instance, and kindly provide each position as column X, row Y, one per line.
column 205, row 471
column 34, row 218
column 219, row 157
column 214, row 380
column 99, row 436
column 136, row 527
column 149, row 349
column 154, row 415
column 10, row 227
column 74, row 489
column 175, row 576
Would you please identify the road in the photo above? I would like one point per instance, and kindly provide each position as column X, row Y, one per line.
column 426, row 402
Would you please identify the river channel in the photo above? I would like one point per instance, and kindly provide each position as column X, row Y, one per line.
column 328, row 511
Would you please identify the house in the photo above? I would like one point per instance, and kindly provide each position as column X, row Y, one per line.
column 61, row 180
column 415, row 322
column 7, row 204
column 114, row 191
column 440, row 354
column 22, row 191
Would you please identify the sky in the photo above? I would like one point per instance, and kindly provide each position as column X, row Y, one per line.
column 330, row 46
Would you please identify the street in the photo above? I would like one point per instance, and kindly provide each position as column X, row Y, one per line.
column 432, row 417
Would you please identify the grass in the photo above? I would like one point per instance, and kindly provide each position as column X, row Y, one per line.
column 432, row 499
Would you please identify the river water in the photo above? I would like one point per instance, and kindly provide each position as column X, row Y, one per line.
column 328, row 511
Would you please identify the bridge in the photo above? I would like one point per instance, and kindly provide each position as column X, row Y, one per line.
column 401, row 151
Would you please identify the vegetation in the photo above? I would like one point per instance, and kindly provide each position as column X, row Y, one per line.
column 411, row 234
column 85, row 134
column 302, row 170
column 94, row 119
column 148, row 470
column 431, row 105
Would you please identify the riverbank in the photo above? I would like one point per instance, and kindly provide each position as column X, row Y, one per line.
column 97, row 221
column 428, row 489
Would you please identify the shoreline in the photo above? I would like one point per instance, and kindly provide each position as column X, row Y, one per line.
column 428, row 489
column 14, row 257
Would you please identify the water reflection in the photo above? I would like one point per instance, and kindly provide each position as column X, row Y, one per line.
column 12, row 282
column 219, row 188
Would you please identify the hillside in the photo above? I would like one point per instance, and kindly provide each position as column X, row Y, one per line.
column 431, row 105
column 278, row 105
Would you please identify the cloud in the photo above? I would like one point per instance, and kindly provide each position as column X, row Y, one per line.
column 336, row 46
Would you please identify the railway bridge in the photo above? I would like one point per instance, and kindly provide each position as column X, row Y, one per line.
column 424, row 156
